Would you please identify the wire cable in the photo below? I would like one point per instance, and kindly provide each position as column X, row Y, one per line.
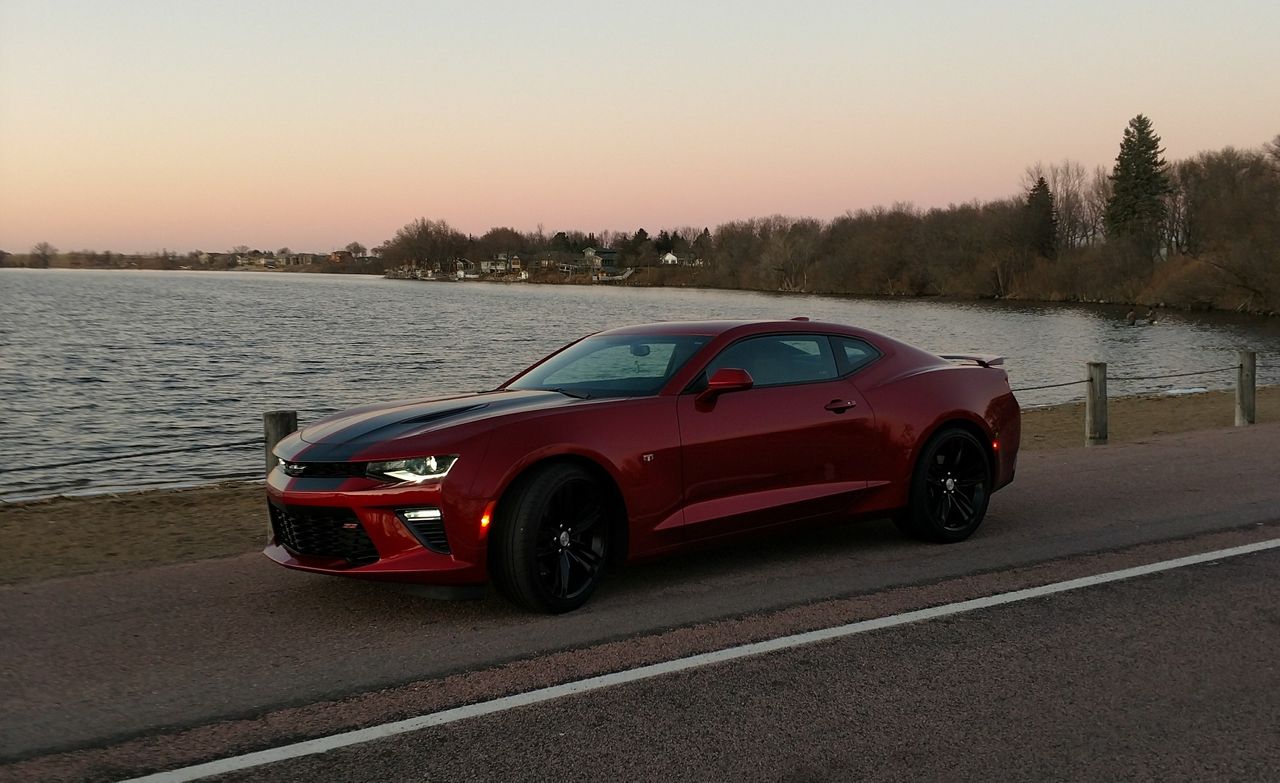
column 1049, row 385
column 1172, row 374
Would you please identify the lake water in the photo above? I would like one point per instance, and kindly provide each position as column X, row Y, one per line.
column 100, row 363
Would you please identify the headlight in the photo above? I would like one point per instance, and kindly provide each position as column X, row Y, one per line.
column 416, row 469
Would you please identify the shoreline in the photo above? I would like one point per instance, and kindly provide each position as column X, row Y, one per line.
column 578, row 281
column 50, row 539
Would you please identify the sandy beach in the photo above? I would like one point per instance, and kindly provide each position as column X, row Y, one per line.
column 63, row 537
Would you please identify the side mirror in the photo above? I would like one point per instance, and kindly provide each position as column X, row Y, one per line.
column 725, row 379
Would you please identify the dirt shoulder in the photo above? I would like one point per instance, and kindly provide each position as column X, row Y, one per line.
column 72, row 536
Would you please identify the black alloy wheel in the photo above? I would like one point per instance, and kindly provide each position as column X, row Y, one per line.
column 950, row 488
column 551, row 541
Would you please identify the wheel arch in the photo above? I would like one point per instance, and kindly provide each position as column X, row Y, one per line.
column 620, row 536
column 974, row 427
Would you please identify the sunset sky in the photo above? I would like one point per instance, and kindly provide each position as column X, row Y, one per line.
column 135, row 126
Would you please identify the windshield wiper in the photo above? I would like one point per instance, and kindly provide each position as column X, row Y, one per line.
column 575, row 395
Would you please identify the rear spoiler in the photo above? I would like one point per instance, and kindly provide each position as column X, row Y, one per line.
column 984, row 359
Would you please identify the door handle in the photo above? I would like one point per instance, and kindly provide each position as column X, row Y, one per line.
column 840, row 406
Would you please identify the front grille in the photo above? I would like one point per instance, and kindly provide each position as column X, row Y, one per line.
column 314, row 531
column 430, row 532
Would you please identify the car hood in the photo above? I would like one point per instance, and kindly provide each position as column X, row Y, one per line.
column 390, row 421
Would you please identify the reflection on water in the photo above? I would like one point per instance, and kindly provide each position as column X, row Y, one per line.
column 102, row 363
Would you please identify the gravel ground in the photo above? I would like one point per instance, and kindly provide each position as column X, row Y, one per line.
column 71, row 536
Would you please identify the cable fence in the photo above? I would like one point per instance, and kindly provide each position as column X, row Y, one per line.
column 1176, row 374
column 1051, row 385
column 1118, row 379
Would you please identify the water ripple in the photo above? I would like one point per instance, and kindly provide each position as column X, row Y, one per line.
column 99, row 363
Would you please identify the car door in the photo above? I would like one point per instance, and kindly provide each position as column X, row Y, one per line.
column 793, row 446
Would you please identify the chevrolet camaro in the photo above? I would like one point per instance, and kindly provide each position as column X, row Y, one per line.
column 642, row 441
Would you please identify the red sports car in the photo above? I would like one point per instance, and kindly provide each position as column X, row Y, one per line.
column 640, row 441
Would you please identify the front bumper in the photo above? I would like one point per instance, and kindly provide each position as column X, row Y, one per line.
column 400, row 555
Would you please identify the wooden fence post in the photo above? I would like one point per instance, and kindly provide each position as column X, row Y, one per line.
column 1247, row 389
column 1095, row 406
column 276, row 425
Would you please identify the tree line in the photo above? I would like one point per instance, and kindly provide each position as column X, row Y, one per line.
column 1202, row 232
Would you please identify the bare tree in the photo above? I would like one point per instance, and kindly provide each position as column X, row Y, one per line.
column 356, row 249
column 1177, row 224
column 42, row 254
column 1095, row 201
column 1272, row 151
column 1068, row 181
column 425, row 243
column 787, row 250
column 1231, row 200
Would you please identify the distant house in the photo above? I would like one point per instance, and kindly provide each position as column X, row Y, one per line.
column 669, row 259
column 341, row 257
column 515, row 263
column 601, row 258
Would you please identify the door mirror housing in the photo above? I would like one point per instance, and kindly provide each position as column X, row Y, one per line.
column 724, row 380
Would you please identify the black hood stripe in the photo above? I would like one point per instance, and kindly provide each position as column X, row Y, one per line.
column 360, row 435
column 363, row 426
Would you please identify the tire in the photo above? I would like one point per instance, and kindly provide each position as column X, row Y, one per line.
column 950, row 489
column 550, row 542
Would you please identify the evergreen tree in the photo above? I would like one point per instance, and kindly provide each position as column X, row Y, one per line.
column 1041, row 220
column 703, row 245
column 1140, row 182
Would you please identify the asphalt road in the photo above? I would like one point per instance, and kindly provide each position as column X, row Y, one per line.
column 1173, row 676
column 210, row 649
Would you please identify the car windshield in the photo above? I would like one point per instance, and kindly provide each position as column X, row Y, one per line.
column 613, row 365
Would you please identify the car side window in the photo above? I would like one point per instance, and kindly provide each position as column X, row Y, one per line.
column 853, row 354
column 778, row 359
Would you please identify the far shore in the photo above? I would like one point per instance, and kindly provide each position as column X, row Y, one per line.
column 71, row 536
column 681, row 277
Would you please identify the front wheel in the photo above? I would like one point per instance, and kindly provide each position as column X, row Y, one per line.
column 551, row 539
column 950, row 488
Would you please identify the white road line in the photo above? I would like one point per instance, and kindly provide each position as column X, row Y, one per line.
column 346, row 739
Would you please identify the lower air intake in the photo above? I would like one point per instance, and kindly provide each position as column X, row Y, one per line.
column 430, row 533
column 314, row 531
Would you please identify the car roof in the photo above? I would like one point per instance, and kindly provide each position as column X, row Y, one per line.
column 715, row 328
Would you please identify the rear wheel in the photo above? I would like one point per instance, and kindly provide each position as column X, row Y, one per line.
column 950, row 488
column 551, row 539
